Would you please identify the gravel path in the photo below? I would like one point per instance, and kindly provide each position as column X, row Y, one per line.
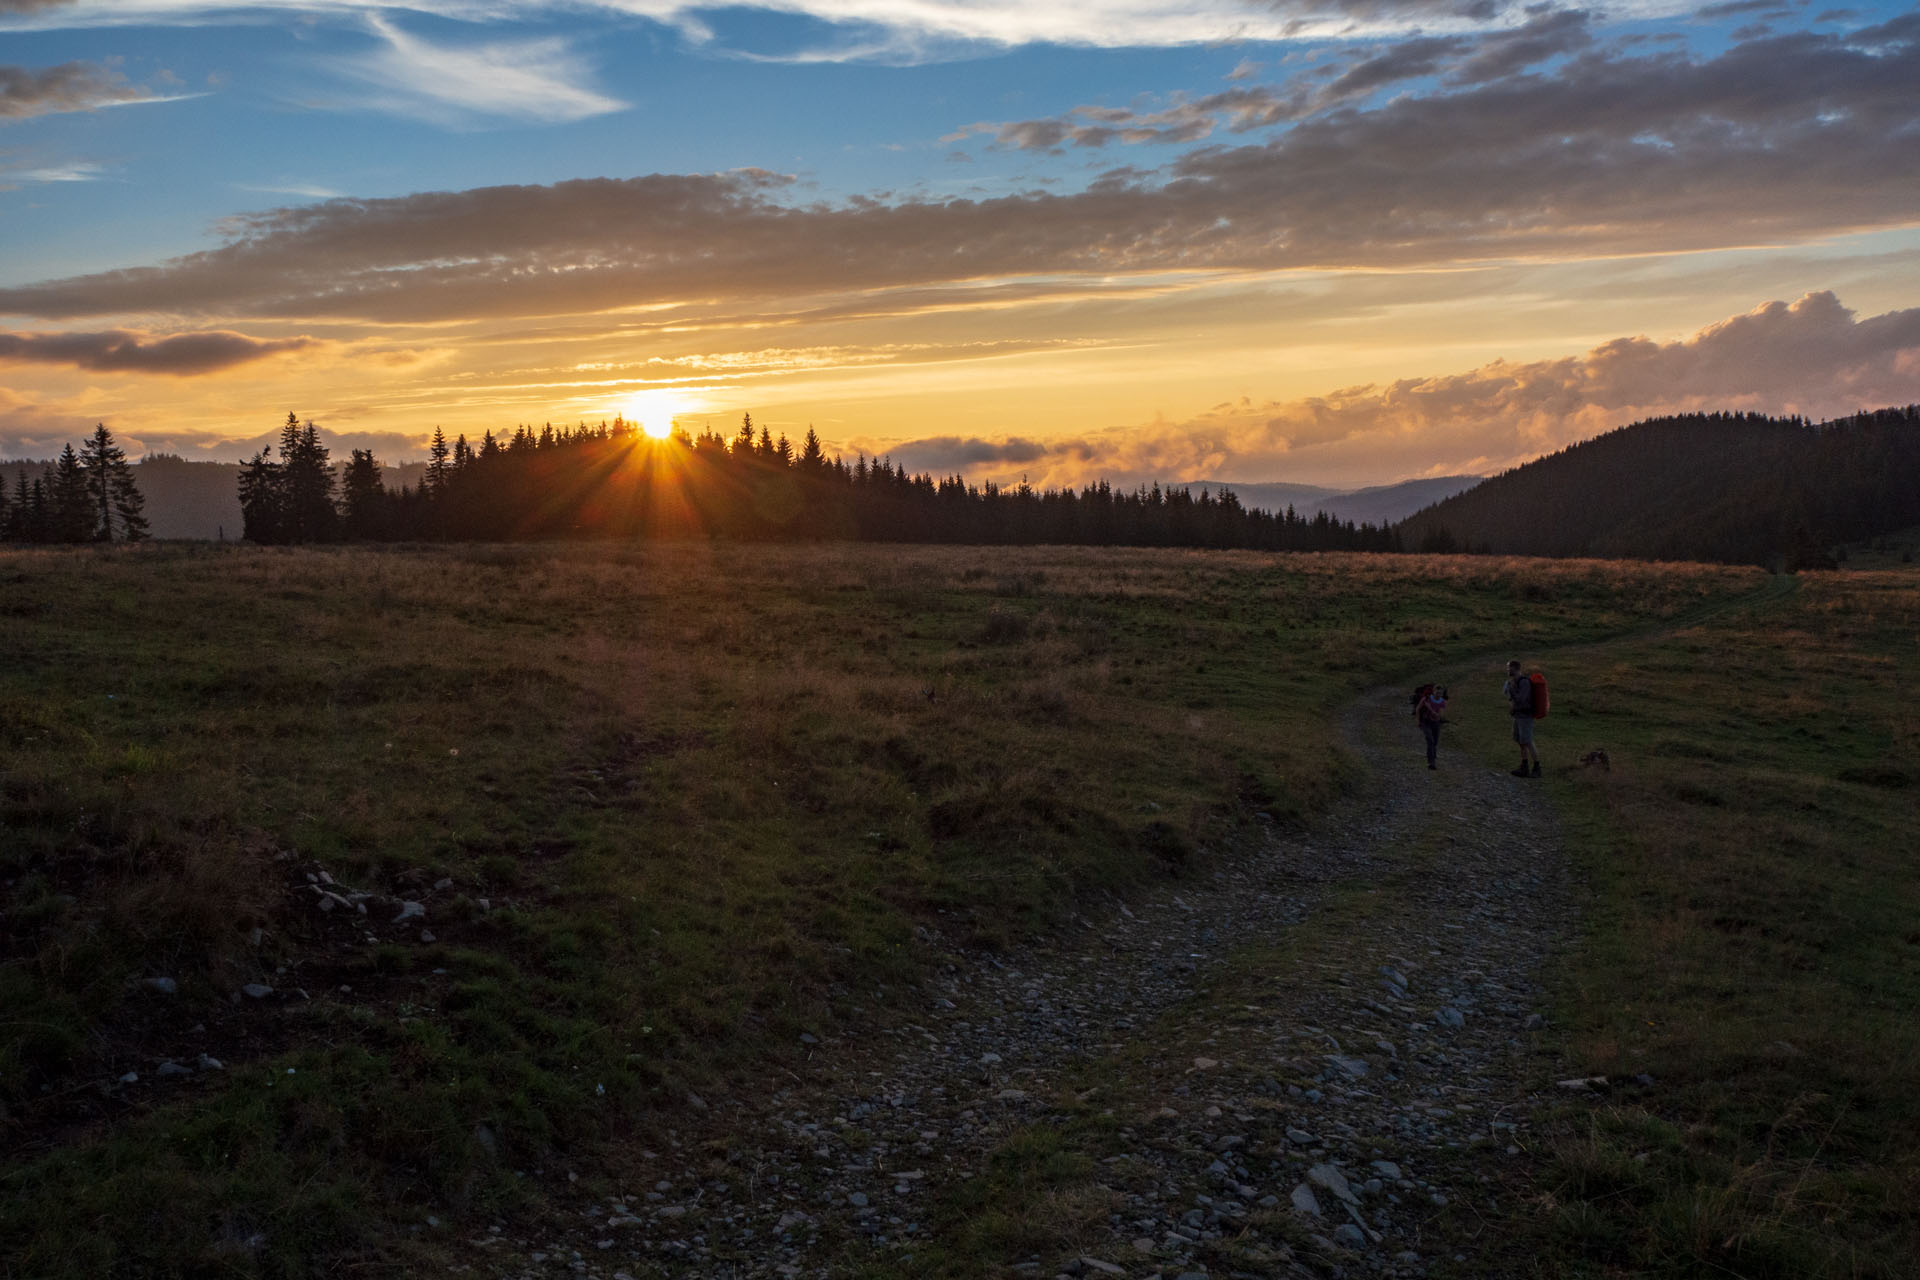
column 1312, row 1062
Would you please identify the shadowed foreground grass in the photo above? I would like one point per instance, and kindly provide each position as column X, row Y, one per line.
column 665, row 809
column 1754, row 947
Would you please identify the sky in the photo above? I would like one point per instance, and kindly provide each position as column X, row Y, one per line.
column 1338, row 242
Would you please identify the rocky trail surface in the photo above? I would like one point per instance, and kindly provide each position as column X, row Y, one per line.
column 1312, row 1060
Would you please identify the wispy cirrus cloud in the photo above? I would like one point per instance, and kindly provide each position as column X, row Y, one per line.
column 905, row 30
column 1457, row 61
column 130, row 351
column 538, row 80
column 73, row 171
column 1812, row 356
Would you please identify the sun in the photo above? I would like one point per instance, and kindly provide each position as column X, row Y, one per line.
column 654, row 412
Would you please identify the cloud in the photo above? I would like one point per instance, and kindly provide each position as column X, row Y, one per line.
column 1464, row 61
column 894, row 30
column 125, row 351
column 536, row 80
column 946, row 455
column 71, row 86
column 76, row 171
column 1780, row 140
column 1812, row 357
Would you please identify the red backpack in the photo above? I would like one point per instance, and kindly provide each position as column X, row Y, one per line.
column 1539, row 682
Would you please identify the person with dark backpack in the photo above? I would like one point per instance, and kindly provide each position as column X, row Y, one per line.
column 1429, row 706
column 1520, row 691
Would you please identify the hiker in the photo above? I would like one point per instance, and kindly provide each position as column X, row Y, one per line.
column 1428, row 710
column 1519, row 691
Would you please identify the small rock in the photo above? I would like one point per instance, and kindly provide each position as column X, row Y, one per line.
column 132, row 1077
column 165, row 986
column 1533, row 1023
column 1450, row 1017
column 1305, row 1201
column 1205, row 1064
column 426, row 935
column 1328, row 1178
column 858, row 1199
column 1104, row 1268
column 807, row 1037
column 256, row 991
column 1387, row 1169
column 695, row 1101
column 1301, row 1138
column 1353, row 1067
column 173, row 1069
column 410, row 910
column 206, row 1063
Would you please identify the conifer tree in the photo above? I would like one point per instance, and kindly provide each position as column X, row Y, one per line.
column 117, row 501
column 39, row 521
column 364, row 495
column 812, row 456
column 309, row 481
column 19, row 513
column 71, row 506
column 436, row 477
column 262, row 500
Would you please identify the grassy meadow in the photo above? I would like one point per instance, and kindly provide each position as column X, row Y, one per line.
column 669, row 808
column 1751, row 967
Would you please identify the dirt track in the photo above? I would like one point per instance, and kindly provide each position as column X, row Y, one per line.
column 1312, row 1060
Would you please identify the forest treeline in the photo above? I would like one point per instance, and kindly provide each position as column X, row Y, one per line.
column 84, row 495
column 610, row 481
column 1736, row 488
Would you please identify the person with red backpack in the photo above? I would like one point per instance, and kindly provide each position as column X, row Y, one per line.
column 1526, row 702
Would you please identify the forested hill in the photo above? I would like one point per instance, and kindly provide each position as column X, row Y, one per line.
column 1732, row 487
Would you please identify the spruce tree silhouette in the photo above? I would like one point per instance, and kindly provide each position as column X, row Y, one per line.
column 71, row 505
column 117, row 501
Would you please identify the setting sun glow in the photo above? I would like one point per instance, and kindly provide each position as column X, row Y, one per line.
column 654, row 412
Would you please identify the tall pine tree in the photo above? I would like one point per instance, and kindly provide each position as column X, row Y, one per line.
column 71, row 506
column 117, row 502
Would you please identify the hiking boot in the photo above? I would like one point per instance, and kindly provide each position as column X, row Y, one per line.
column 1536, row 768
column 1522, row 771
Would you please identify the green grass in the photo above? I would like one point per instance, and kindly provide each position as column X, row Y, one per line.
column 691, row 801
column 1752, row 945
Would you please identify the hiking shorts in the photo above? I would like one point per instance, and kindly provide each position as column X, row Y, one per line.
column 1523, row 730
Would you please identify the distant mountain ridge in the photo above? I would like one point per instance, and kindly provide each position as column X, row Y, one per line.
column 1736, row 488
column 1380, row 504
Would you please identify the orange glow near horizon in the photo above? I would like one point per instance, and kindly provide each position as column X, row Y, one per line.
column 655, row 412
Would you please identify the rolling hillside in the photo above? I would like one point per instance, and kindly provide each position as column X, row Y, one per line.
column 1733, row 488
